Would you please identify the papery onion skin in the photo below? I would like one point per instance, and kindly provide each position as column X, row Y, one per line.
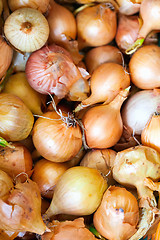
column 51, row 70
column 69, row 230
column 6, row 184
column 46, row 175
column 26, row 29
column 96, row 25
column 144, row 67
column 16, row 120
column 54, row 140
column 139, row 108
column 102, row 54
column 19, row 61
column 118, row 214
column 103, row 124
column 151, row 133
column 42, row 6
column 16, row 160
column 78, row 192
column 18, row 85
column 6, row 56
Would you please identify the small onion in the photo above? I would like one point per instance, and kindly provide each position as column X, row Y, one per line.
column 144, row 67
column 6, row 56
column 42, row 6
column 57, row 138
column 139, row 108
column 96, row 25
column 78, row 192
column 16, row 120
column 118, row 214
column 15, row 160
column 26, row 29
column 46, row 175
column 102, row 54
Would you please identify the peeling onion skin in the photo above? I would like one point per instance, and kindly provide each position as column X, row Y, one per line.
column 54, row 140
column 144, row 67
column 51, row 70
column 26, row 29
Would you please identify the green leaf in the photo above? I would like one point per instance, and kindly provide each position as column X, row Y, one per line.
column 95, row 232
column 4, row 143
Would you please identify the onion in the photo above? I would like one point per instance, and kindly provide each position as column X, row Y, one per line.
column 118, row 214
column 144, row 67
column 106, row 82
column 103, row 124
column 19, row 61
column 150, row 14
column 63, row 29
column 103, row 54
column 18, row 85
column 6, row 56
column 6, row 184
column 46, row 175
column 16, row 119
column 129, row 7
column 96, row 25
column 78, row 192
column 26, row 29
column 15, row 160
column 22, row 209
column 68, row 230
column 57, row 137
column 51, row 70
column 151, row 132
column 139, row 108
column 133, row 167
column 42, row 6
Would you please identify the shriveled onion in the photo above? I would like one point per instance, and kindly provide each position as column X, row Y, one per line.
column 103, row 124
column 16, row 119
column 42, row 6
column 96, row 25
column 78, row 192
column 57, row 138
column 144, row 67
column 5, row 184
column 6, row 56
column 26, row 29
column 46, row 175
column 151, row 132
column 22, row 209
column 106, row 82
column 15, row 160
column 68, row 230
column 139, row 108
column 52, row 70
column 102, row 54
column 118, row 214
column 18, row 85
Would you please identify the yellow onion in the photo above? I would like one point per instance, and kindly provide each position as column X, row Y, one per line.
column 42, row 6
column 118, row 214
column 68, row 230
column 96, row 25
column 57, row 137
column 6, row 56
column 78, row 192
column 132, row 167
column 5, row 184
column 106, row 82
column 151, row 132
column 18, row 85
column 103, row 124
column 144, row 67
column 22, row 209
column 15, row 160
column 46, row 175
column 26, row 29
column 16, row 119
column 100, row 159
column 102, row 54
